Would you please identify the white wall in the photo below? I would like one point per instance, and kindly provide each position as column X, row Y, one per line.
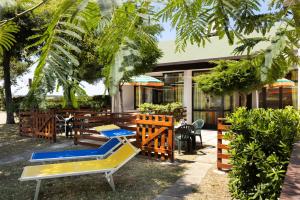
column 255, row 99
column 128, row 97
column 187, row 94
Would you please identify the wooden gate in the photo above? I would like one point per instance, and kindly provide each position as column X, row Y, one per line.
column 44, row 125
column 155, row 136
column 221, row 155
column 38, row 124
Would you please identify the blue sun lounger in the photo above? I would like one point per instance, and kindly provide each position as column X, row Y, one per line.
column 117, row 133
column 100, row 153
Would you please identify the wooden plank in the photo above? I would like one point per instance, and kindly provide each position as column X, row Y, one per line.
column 223, row 156
column 223, row 127
column 149, row 142
column 156, row 147
column 162, row 146
column 220, row 137
column 223, row 146
column 143, row 138
column 221, row 166
column 170, row 144
column 148, row 122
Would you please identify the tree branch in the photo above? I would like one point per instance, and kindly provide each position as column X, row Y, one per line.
column 22, row 13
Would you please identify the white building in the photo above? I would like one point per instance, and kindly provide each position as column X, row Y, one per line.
column 177, row 70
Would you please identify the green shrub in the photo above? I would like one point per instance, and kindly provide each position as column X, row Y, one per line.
column 261, row 143
column 95, row 102
column 176, row 109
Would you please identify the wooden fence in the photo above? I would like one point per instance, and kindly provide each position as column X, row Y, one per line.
column 222, row 148
column 155, row 136
column 38, row 124
column 25, row 124
column 154, row 133
column 84, row 124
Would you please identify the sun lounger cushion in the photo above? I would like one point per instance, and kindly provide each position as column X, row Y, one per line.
column 106, row 127
column 77, row 154
column 115, row 160
column 117, row 133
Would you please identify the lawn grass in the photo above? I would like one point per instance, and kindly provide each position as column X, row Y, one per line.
column 12, row 143
column 138, row 179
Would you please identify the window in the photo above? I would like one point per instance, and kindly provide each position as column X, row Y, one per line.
column 208, row 107
column 172, row 91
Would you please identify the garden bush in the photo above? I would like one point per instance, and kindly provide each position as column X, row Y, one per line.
column 260, row 146
column 176, row 109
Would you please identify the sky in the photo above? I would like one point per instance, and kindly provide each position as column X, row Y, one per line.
column 170, row 34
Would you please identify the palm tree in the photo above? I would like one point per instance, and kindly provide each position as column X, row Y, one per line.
column 59, row 42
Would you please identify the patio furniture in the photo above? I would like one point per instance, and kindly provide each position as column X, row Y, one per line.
column 108, row 166
column 198, row 124
column 184, row 133
column 98, row 153
column 64, row 124
column 106, row 127
column 60, row 124
column 69, row 125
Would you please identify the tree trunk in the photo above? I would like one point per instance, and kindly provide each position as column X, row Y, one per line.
column 121, row 98
column 67, row 97
column 9, row 107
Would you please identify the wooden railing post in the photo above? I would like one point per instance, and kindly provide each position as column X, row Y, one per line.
column 222, row 127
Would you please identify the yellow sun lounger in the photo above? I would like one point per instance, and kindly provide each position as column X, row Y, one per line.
column 108, row 166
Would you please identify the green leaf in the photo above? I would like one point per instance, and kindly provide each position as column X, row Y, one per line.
column 7, row 38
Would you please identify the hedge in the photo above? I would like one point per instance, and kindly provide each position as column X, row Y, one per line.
column 261, row 142
column 176, row 109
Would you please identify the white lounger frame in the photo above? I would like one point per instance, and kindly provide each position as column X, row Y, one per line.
column 76, row 157
column 108, row 174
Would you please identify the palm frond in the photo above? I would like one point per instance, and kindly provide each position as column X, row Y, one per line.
column 246, row 45
column 7, row 38
column 59, row 48
column 127, row 24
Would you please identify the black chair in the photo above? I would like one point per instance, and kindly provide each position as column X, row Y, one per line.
column 184, row 133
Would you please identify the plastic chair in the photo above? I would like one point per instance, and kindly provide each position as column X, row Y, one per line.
column 60, row 124
column 198, row 124
column 184, row 134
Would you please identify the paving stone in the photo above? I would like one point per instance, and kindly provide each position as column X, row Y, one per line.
column 195, row 171
column 178, row 190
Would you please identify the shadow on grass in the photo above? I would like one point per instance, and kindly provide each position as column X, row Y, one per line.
column 139, row 179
